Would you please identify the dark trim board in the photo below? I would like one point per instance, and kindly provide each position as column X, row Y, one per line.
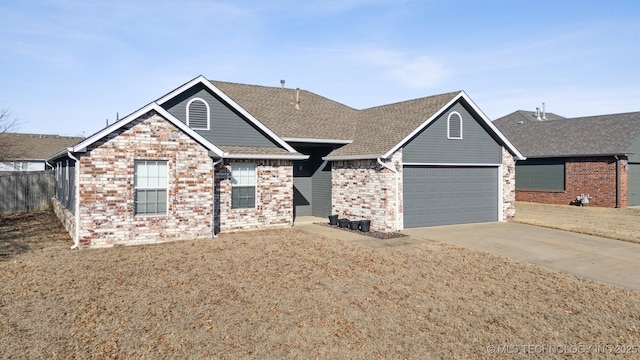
column 447, row 195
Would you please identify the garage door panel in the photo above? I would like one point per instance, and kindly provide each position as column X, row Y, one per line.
column 452, row 195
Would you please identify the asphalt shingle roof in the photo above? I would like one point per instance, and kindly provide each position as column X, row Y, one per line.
column 34, row 146
column 585, row 136
column 372, row 131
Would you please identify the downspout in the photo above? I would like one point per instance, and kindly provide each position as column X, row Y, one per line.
column 617, row 181
column 397, row 175
column 76, row 183
column 213, row 207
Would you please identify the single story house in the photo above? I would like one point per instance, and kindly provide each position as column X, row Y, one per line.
column 214, row 156
column 29, row 152
column 598, row 156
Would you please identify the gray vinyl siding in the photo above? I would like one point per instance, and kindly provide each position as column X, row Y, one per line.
column 633, row 185
column 540, row 174
column 321, row 205
column 312, row 181
column 635, row 150
column 226, row 128
column 302, row 195
column 432, row 145
column 66, row 191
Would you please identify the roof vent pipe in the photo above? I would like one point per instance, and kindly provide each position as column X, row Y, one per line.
column 538, row 113
column 544, row 112
column 298, row 98
column 282, row 83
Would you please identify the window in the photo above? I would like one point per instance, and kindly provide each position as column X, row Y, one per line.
column 198, row 114
column 454, row 126
column 150, row 186
column 243, row 185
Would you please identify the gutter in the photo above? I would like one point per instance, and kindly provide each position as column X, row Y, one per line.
column 397, row 175
column 76, row 237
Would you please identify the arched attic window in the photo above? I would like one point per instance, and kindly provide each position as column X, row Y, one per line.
column 198, row 114
column 454, row 126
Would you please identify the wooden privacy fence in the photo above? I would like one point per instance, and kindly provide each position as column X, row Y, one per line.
column 26, row 191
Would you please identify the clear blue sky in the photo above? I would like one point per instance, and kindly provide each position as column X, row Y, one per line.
column 68, row 65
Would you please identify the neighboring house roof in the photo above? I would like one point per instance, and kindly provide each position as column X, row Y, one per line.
column 585, row 136
column 20, row 146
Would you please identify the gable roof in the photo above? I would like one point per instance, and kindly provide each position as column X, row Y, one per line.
column 251, row 118
column 19, row 146
column 584, row 136
column 370, row 133
column 315, row 117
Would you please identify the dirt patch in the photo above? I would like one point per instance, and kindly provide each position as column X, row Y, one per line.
column 622, row 224
column 288, row 294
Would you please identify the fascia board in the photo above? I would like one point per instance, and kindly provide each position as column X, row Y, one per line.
column 317, row 141
column 353, row 157
column 264, row 157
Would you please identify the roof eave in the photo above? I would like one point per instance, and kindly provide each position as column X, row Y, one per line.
column 577, row 155
column 265, row 156
column 316, row 141
column 353, row 157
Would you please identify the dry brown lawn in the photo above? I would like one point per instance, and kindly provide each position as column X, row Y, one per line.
column 287, row 294
column 622, row 224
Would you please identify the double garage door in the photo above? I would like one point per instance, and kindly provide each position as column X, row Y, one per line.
column 443, row 195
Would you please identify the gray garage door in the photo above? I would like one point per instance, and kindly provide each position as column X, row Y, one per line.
column 449, row 195
column 633, row 183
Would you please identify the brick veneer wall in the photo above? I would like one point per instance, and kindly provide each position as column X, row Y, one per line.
column 274, row 197
column 508, row 186
column 595, row 176
column 363, row 189
column 106, row 205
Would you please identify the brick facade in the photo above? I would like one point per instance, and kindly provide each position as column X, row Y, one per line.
column 106, row 186
column 274, row 197
column 508, row 186
column 106, row 190
column 363, row 189
column 595, row 176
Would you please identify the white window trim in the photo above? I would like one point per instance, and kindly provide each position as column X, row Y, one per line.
column 66, row 181
column 208, row 113
column 449, row 126
column 255, row 185
column 135, row 188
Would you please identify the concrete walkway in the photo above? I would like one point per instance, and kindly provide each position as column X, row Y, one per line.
column 600, row 259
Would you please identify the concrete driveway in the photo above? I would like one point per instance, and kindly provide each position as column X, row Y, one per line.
column 600, row 259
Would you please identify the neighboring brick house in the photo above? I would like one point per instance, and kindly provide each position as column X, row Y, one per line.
column 598, row 156
column 29, row 152
column 214, row 157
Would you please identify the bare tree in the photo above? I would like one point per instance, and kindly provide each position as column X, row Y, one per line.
column 8, row 123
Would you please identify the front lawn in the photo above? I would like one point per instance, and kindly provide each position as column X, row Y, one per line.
column 287, row 294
